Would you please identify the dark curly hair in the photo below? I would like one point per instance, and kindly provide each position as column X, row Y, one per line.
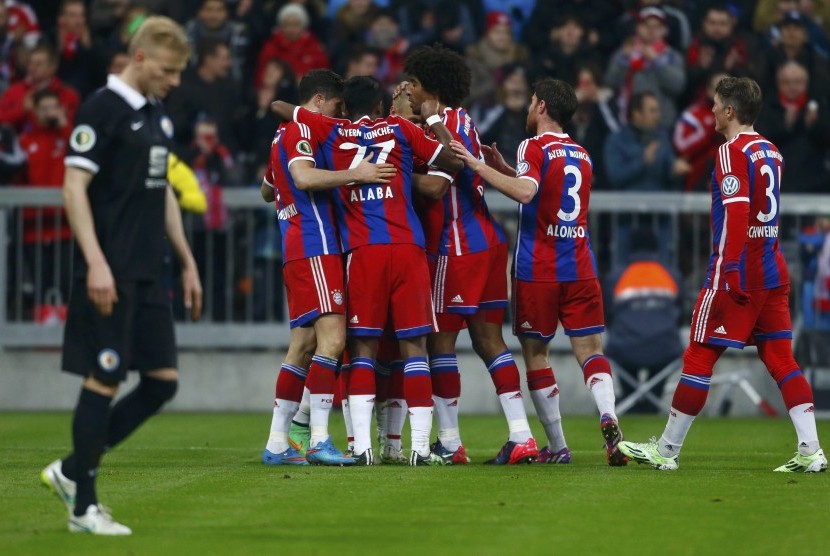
column 441, row 72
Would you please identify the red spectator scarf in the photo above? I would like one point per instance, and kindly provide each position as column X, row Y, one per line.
column 796, row 104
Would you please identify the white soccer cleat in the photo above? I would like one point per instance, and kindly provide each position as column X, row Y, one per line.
column 649, row 454
column 97, row 521
column 814, row 463
column 392, row 455
column 53, row 478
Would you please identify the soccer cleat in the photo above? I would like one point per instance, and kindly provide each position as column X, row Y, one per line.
column 458, row 457
column 417, row 460
column 53, row 478
column 366, row 458
column 97, row 521
column 613, row 436
column 288, row 457
column 546, row 456
column 513, row 452
column 325, row 453
column 392, row 455
column 299, row 437
column 649, row 454
column 815, row 463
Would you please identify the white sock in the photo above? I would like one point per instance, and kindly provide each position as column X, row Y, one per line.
column 360, row 409
column 381, row 421
column 804, row 422
column 347, row 420
column 395, row 418
column 319, row 423
column 446, row 414
column 513, row 406
column 601, row 387
column 280, row 423
column 546, row 402
column 303, row 415
column 677, row 428
column 420, row 424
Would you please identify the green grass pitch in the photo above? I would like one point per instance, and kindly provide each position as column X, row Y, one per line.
column 192, row 484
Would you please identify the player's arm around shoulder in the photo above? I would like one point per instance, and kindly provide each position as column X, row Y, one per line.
column 521, row 189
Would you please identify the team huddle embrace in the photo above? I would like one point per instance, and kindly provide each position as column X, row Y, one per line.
column 390, row 252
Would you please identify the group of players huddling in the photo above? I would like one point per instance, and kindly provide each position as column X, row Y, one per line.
column 388, row 242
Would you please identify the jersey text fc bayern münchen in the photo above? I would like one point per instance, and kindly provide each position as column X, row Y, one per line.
column 553, row 243
column 746, row 203
column 374, row 214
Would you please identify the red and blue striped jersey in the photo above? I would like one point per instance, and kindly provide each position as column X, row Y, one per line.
column 306, row 218
column 466, row 224
column 374, row 214
column 746, row 203
column 553, row 243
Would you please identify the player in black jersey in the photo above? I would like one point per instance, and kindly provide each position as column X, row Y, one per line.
column 122, row 212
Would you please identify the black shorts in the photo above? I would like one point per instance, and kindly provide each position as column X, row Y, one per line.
column 138, row 335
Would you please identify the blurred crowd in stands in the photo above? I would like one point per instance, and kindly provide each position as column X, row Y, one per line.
column 644, row 72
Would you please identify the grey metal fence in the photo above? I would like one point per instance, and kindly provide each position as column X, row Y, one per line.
column 241, row 266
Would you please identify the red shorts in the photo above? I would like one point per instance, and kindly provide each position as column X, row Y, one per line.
column 314, row 287
column 474, row 284
column 389, row 283
column 538, row 307
column 718, row 320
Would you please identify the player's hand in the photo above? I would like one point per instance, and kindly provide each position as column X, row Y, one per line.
column 494, row 159
column 400, row 102
column 192, row 290
column 429, row 108
column 733, row 285
column 366, row 172
column 100, row 287
column 650, row 152
column 466, row 156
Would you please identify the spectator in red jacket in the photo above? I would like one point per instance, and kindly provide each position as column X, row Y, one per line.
column 696, row 140
column 17, row 102
column 45, row 147
column 293, row 43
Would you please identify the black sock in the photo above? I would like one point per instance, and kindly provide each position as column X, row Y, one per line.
column 89, row 433
column 126, row 415
column 138, row 406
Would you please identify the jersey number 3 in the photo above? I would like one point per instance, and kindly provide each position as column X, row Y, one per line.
column 573, row 193
column 771, row 191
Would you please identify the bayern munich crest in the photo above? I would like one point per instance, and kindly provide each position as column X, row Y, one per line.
column 108, row 359
column 337, row 296
column 729, row 185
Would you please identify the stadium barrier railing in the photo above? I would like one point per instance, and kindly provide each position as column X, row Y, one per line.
column 239, row 254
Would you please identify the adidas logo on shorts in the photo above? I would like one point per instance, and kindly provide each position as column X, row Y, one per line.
column 457, row 299
column 354, row 320
column 526, row 324
column 720, row 330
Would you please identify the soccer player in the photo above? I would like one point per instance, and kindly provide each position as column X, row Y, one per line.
column 468, row 263
column 386, row 269
column 745, row 298
column 313, row 273
column 120, row 208
column 554, row 273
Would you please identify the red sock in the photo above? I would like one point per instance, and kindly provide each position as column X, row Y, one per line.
column 446, row 380
column 693, row 388
column 542, row 378
column 321, row 375
column 417, row 385
column 361, row 377
column 505, row 373
column 290, row 383
column 396, row 381
column 777, row 355
column 595, row 364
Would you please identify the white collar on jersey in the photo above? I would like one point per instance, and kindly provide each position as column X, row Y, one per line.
column 130, row 95
column 360, row 119
column 559, row 135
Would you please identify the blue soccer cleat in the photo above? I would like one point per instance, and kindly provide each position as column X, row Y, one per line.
column 288, row 457
column 325, row 453
column 547, row 456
